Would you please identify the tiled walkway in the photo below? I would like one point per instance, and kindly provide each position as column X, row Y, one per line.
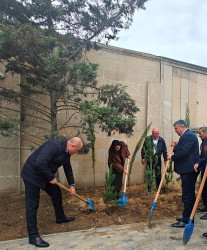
column 161, row 235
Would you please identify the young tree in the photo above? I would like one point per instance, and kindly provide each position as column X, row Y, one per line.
column 151, row 163
column 187, row 115
column 138, row 146
column 106, row 118
column 109, row 197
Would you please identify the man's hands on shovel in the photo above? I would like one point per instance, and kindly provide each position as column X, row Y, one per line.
column 173, row 144
column 71, row 190
column 196, row 167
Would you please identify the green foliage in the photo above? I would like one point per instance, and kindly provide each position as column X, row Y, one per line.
column 187, row 115
column 32, row 148
column 46, row 41
column 6, row 127
column 107, row 118
column 85, row 149
column 109, row 197
column 168, row 176
column 138, row 146
column 54, row 135
column 151, row 162
column 178, row 179
column 116, row 96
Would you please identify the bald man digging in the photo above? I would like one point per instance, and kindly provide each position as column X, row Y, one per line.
column 39, row 173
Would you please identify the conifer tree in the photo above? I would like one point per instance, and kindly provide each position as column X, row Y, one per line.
column 109, row 197
column 168, row 176
column 151, row 163
column 6, row 127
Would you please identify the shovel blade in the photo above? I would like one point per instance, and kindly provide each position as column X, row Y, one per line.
column 91, row 204
column 123, row 200
column 152, row 210
column 188, row 231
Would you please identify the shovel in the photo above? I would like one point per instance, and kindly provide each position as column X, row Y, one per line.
column 123, row 200
column 158, row 191
column 89, row 201
column 189, row 227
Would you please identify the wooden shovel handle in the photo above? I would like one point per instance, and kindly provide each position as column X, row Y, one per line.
column 163, row 175
column 67, row 189
column 126, row 176
column 199, row 194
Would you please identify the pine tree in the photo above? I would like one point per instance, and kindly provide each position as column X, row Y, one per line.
column 139, row 143
column 151, row 163
column 168, row 176
column 109, row 197
column 6, row 127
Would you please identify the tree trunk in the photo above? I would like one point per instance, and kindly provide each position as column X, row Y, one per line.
column 53, row 99
column 93, row 156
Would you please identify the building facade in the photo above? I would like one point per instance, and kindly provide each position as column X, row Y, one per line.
column 161, row 87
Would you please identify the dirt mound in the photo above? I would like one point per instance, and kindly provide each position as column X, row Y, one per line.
column 12, row 211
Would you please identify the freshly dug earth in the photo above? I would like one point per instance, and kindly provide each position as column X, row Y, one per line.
column 138, row 209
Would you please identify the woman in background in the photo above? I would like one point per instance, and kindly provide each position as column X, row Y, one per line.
column 118, row 152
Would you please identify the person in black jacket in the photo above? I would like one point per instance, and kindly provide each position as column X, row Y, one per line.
column 201, row 163
column 186, row 153
column 39, row 173
column 159, row 150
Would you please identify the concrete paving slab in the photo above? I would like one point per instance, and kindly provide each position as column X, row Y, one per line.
column 161, row 235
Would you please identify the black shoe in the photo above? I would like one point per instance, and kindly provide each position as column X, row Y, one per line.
column 179, row 224
column 202, row 209
column 179, row 219
column 65, row 220
column 38, row 242
column 204, row 234
column 204, row 217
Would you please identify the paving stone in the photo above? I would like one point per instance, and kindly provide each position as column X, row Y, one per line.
column 160, row 235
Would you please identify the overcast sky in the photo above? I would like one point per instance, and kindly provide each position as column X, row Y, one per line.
column 175, row 29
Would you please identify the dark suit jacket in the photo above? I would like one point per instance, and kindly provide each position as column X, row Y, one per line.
column 186, row 153
column 203, row 155
column 44, row 162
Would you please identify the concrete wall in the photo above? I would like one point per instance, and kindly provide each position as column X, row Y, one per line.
column 161, row 88
column 9, row 146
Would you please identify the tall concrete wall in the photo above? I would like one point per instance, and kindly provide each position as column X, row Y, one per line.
column 161, row 88
column 9, row 146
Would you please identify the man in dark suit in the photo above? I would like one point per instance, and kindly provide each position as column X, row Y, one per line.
column 39, row 173
column 159, row 150
column 201, row 163
column 186, row 153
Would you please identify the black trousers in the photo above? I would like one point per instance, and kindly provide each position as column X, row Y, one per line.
column 188, row 193
column 158, row 172
column 117, row 183
column 32, row 196
column 204, row 192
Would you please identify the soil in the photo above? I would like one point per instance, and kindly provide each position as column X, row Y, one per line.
column 138, row 209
